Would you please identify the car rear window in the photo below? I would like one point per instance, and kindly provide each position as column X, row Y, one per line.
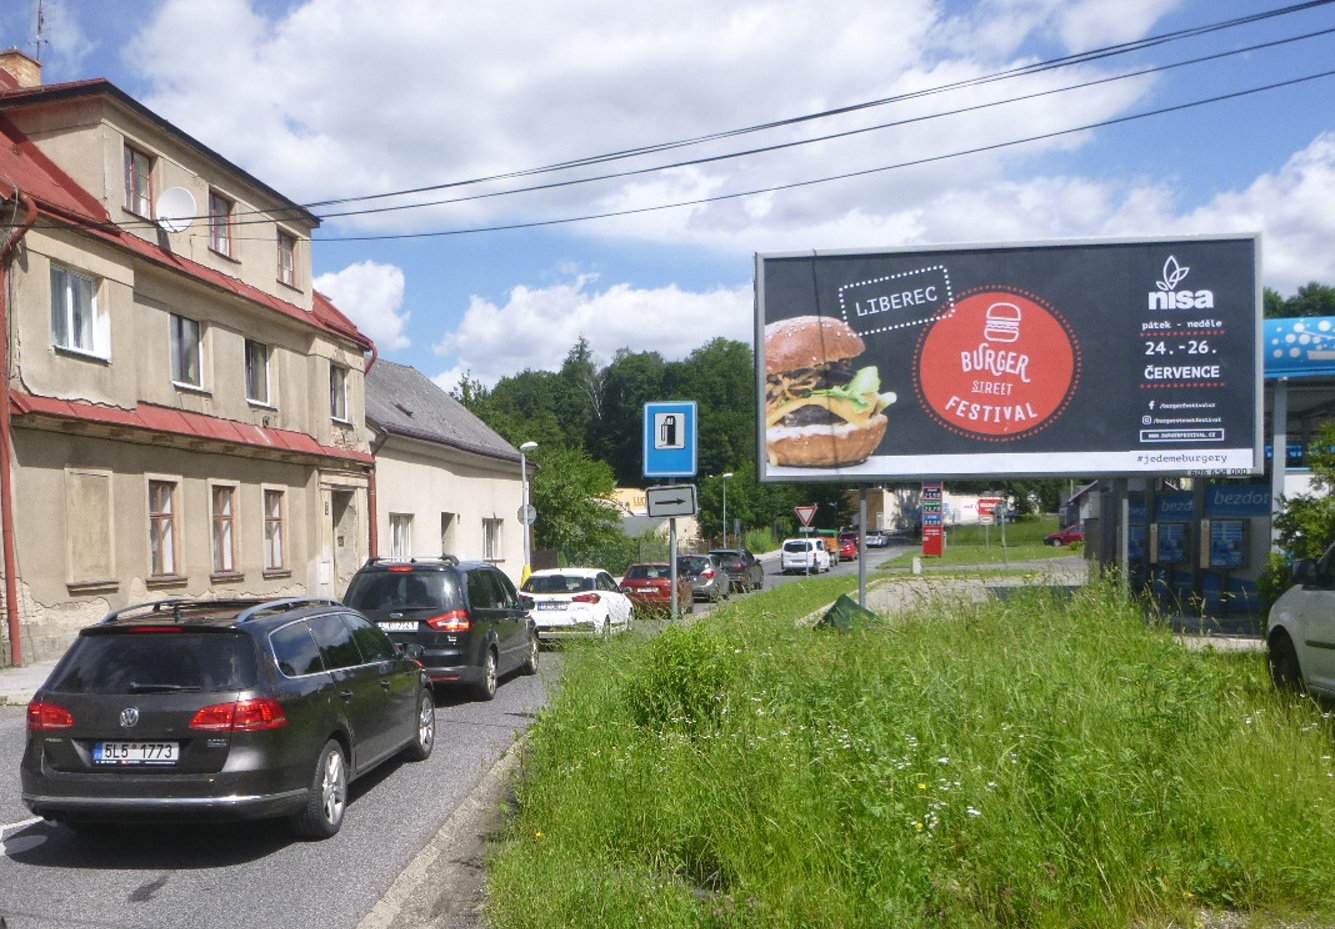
column 642, row 572
column 796, row 546
column 127, row 662
column 390, row 590
column 557, row 584
column 693, row 565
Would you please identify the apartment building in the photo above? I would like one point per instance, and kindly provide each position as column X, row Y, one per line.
column 182, row 412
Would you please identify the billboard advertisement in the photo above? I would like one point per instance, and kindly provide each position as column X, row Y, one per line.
column 1107, row 357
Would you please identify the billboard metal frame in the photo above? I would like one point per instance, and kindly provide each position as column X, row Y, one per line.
column 1108, row 357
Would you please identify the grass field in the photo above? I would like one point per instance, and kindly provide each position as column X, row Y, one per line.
column 1038, row 762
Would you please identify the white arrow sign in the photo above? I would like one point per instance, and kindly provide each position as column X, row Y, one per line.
column 671, row 500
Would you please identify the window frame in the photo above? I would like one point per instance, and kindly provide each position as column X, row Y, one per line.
column 400, row 535
column 94, row 325
column 179, row 347
column 224, row 555
column 267, row 386
column 221, row 208
column 164, row 539
column 287, row 258
column 138, row 181
column 275, row 530
column 493, row 539
column 338, row 392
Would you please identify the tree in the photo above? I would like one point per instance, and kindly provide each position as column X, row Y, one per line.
column 572, row 494
column 1312, row 299
column 631, row 380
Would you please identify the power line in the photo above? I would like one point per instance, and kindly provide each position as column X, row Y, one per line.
column 840, row 177
column 779, row 146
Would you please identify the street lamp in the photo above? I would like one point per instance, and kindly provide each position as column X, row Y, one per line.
column 726, row 478
column 527, row 512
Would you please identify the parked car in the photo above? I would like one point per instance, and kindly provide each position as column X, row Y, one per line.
column 649, row 586
column 848, row 546
column 466, row 616
column 576, row 602
column 1301, row 626
column 708, row 579
column 877, row 538
column 222, row 710
column 804, row 555
column 1065, row 536
column 742, row 567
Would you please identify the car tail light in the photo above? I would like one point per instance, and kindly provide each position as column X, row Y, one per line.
column 586, row 598
column 44, row 717
column 158, row 628
column 707, row 573
column 453, row 621
column 241, row 715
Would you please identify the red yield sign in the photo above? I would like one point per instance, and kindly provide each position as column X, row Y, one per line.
column 805, row 514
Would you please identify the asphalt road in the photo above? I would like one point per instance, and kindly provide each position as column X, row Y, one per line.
column 254, row 874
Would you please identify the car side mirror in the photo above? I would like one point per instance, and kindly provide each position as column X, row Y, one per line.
column 526, row 601
column 1304, row 571
column 411, row 650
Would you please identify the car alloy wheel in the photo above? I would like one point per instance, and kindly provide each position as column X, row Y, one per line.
column 531, row 664
column 486, row 688
column 420, row 748
column 328, row 796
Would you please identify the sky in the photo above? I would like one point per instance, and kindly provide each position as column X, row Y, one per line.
column 870, row 127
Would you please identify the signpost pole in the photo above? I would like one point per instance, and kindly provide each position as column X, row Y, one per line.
column 862, row 546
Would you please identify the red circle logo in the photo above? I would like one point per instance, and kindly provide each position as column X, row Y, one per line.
column 1002, row 365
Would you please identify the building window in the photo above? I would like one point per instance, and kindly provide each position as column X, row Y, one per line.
column 162, row 527
column 491, row 539
column 275, row 554
column 138, row 182
column 220, row 224
column 287, row 258
column 257, row 372
column 338, row 392
column 187, row 351
column 76, row 322
column 224, row 529
column 400, row 535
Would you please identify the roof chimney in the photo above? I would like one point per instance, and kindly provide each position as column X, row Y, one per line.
column 25, row 70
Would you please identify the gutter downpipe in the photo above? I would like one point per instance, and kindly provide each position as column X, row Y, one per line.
column 373, row 533
column 6, row 443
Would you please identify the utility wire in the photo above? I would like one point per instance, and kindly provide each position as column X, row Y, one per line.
column 1038, row 67
column 839, row 177
column 779, row 146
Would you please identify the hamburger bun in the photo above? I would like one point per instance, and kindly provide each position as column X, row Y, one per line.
column 825, row 446
column 809, row 341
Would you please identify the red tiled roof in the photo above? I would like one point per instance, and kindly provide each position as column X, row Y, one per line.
column 163, row 419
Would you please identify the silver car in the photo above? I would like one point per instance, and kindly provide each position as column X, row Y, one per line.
column 1300, row 632
column 708, row 579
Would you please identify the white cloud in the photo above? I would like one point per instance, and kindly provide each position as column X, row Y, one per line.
column 536, row 328
column 370, row 294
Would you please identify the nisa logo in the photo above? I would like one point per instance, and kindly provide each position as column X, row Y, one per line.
column 1168, row 297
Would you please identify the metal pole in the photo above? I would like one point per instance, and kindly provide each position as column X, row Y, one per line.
column 726, row 478
column 528, row 531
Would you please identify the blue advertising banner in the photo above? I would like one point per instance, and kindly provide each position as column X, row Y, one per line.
column 1237, row 500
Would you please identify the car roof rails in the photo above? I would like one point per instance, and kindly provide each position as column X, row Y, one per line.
column 287, row 603
column 451, row 560
column 173, row 606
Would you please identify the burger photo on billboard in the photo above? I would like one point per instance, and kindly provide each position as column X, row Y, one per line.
column 820, row 411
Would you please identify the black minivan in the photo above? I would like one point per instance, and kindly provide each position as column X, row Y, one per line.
column 468, row 623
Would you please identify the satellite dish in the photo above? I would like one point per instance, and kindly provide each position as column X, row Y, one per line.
column 175, row 209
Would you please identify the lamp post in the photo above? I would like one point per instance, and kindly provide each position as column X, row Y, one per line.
column 726, row 478
column 527, row 518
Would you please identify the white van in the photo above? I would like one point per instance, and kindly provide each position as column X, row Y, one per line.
column 805, row 556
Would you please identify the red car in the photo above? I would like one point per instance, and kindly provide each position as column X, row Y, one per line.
column 848, row 546
column 649, row 586
column 1066, row 536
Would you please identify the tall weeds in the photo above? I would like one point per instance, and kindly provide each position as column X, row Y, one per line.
column 1034, row 762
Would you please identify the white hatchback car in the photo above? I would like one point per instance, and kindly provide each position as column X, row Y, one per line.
column 576, row 602
column 1300, row 633
column 808, row 556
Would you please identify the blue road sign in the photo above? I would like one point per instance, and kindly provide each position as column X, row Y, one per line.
column 669, row 439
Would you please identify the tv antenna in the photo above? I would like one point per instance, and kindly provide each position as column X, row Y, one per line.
column 40, row 40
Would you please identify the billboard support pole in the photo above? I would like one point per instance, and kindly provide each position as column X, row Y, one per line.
column 1279, row 451
column 862, row 545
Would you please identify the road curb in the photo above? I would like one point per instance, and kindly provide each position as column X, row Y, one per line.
column 445, row 885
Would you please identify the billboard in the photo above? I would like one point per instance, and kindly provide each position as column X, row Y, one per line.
column 1088, row 357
